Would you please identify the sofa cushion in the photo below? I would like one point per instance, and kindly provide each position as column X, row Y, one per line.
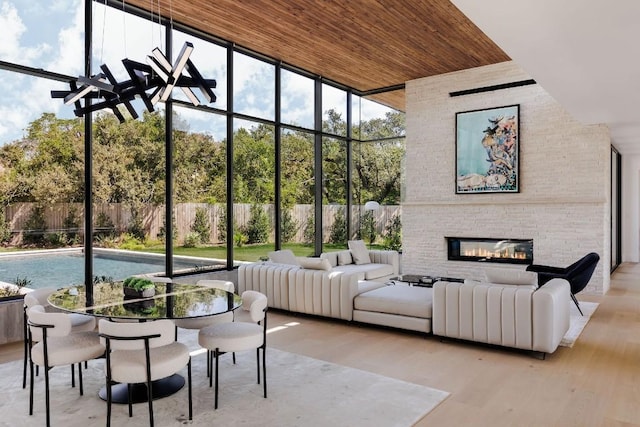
column 344, row 258
column 508, row 276
column 366, row 271
column 284, row 256
column 314, row 263
column 359, row 252
column 411, row 301
column 499, row 285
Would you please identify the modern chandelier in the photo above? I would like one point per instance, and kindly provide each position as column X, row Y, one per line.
column 152, row 82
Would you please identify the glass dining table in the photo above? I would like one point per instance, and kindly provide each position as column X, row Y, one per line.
column 170, row 301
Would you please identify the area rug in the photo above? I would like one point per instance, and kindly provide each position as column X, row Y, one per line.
column 302, row 391
column 578, row 322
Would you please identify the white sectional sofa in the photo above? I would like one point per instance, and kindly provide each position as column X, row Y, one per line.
column 519, row 316
column 320, row 286
column 507, row 309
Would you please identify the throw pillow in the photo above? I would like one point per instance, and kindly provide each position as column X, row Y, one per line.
column 344, row 258
column 314, row 263
column 284, row 256
column 507, row 276
column 359, row 252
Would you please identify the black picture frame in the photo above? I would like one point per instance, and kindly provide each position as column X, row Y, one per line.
column 488, row 150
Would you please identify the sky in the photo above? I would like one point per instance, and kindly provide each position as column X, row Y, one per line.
column 49, row 34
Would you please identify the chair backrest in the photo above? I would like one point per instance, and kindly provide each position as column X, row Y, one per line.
column 60, row 323
column 164, row 327
column 579, row 273
column 218, row 284
column 255, row 303
column 38, row 297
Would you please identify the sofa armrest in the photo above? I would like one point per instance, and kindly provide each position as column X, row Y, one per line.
column 386, row 257
column 268, row 278
column 322, row 293
column 551, row 313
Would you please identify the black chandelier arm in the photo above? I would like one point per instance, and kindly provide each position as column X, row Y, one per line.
column 158, row 76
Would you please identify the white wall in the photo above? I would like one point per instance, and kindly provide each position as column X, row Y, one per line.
column 630, row 208
column 563, row 203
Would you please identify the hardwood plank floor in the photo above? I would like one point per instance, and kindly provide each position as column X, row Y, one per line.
column 595, row 383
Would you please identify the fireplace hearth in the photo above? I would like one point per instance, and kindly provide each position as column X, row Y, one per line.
column 480, row 249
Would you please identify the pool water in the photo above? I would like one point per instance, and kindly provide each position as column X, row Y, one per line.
column 64, row 269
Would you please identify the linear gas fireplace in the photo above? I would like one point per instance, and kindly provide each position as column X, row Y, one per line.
column 512, row 251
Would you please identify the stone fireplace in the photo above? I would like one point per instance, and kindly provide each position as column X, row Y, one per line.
column 481, row 249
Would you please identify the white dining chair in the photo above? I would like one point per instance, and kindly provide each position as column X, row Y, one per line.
column 142, row 353
column 53, row 344
column 239, row 336
column 79, row 323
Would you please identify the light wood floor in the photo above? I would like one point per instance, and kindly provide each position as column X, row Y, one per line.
column 595, row 383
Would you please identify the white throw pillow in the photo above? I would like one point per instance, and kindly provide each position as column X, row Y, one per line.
column 508, row 276
column 284, row 256
column 314, row 263
column 359, row 252
column 344, row 258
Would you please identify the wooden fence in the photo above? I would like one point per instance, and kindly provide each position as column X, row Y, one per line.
column 17, row 215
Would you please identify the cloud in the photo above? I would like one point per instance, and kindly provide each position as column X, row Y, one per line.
column 13, row 28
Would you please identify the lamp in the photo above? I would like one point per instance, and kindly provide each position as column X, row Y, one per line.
column 369, row 207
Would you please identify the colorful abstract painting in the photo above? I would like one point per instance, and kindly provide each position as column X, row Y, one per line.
column 487, row 150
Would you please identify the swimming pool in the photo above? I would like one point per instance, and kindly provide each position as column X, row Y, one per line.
column 63, row 267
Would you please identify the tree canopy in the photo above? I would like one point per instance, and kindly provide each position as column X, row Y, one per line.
column 47, row 165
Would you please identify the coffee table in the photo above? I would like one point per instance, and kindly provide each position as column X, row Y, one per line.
column 424, row 281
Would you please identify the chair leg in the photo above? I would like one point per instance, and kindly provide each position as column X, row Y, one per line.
column 73, row 376
column 217, row 355
column 575, row 300
column 46, row 394
column 26, row 351
column 190, row 395
column 258, row 363
column 264, row 370
column 150, row 399
column 80, row 378
column 30, row 387
column 210, row 356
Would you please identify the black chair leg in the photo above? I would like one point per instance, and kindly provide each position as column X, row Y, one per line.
column 190, row 395
column 575, row 300
column 258, row 363
column 217, row 355
column 73, row 376
column 80, row 378
column 46, row 394
column 108, row 403
column 130, row 399
column 30, row 387
column 264, row 370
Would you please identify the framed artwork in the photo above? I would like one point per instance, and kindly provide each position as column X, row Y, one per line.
column 487, row 150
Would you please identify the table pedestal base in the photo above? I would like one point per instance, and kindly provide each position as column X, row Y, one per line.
column 160, row 388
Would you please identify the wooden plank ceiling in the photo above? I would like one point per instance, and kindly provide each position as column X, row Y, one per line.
column 363, row 44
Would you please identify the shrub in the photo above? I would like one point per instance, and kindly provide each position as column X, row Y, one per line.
column 289, row 226
column 5, row 232
column 368, row 227
column 338, row 232
column 130, row 242
column 201, row 225
column 309, row 233
column 57, row 239
column 35, row 227
column 13, row 290
column 136, row 227
column 71, row 225
column 104, row 227
column 239, row 238
column 393, row 234
column 191, row 240
column 258, row 225
column 162, row 233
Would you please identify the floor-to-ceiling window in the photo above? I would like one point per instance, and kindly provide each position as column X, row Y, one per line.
column 279, row 135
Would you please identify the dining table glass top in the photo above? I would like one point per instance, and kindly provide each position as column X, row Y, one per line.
column 171, row 301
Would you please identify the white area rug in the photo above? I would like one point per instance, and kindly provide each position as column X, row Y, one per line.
column 301, row 392
column 578, row 322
